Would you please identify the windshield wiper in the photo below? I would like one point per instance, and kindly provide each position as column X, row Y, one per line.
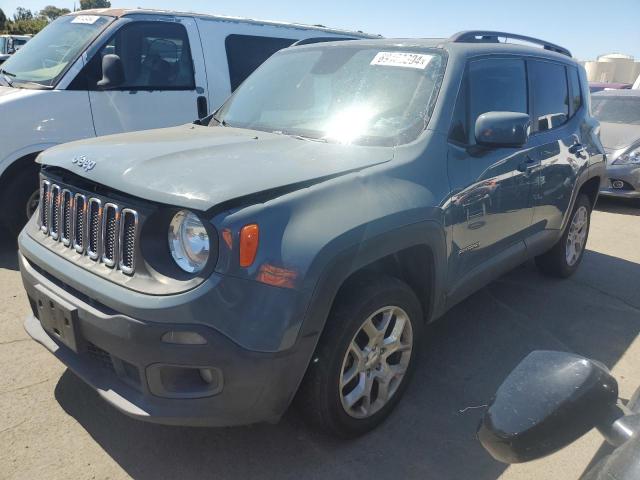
column 6, row 75
column 220, row 121
column 297, row 136
column 309, row 139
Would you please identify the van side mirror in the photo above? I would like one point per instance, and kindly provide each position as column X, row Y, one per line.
column 112, row 72
column 548, row 401
column 502, row 129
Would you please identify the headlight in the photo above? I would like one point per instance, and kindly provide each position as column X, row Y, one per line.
column 188, row 242
column 627, row 158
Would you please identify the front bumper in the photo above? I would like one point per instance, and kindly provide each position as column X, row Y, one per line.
column 629, row 174
column 116, row 354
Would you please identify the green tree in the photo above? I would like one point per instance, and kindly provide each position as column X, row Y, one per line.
column 51, row 12
column 32, row 26
column 87, row 4
column 3, row 20
column 22, row 14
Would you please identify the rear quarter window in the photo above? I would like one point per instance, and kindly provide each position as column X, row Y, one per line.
column 550, row 94
column 245, row 53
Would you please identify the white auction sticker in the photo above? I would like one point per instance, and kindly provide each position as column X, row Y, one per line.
column 402, row 59
column 88, row 19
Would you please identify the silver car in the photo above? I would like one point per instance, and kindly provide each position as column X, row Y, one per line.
column 619, row 115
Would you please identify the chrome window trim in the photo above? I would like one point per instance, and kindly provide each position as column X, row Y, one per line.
column 79, row 247
column 124, row 268
column 107, row 206
column 93, row 254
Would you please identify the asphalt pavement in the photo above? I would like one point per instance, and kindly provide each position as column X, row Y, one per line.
column 54, row 426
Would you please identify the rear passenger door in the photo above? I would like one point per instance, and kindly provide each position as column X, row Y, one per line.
column 164, row 78
column 491, row 206
column 557, row 106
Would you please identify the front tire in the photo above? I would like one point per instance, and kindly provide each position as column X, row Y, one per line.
column 364, row 358
column 566, row 255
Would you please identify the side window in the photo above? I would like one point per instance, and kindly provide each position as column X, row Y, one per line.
column 490, row 85
column 245, row 53
column 550, row 94
column 155, row 56
column 576, row 91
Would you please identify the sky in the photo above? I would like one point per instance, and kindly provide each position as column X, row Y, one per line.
column 586, row 27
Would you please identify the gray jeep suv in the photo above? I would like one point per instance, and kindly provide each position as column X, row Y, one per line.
column 295, row 243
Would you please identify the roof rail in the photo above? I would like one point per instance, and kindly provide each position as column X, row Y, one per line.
column 309, row 41
column 485, row 36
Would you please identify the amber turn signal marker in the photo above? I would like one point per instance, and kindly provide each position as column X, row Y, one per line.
column 249, row 239
column 227, row 236
column 276, row 276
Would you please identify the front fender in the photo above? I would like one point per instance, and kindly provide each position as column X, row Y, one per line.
column 34, row 120
column 337, row 262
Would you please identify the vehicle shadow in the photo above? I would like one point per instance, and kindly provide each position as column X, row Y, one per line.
column 618, row 205
column 464, row 358
column 8, row 251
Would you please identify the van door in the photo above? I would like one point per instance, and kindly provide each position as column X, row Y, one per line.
column 164, row 77
column 491, row 205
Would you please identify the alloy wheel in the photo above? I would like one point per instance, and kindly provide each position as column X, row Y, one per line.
column 576, row 239
column 375, row 362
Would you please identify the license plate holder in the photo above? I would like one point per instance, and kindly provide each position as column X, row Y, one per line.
column 58, row 317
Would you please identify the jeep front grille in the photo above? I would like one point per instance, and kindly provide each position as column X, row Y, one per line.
column 105, row 233
column 128, row 228
column 66, row 216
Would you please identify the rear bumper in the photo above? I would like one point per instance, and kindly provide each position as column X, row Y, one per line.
column 117, row 354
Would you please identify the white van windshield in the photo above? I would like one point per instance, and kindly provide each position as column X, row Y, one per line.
column 341, row 94
column 45, row 58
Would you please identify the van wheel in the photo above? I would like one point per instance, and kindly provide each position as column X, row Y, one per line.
column 565, row 256
column 364, row 358
column 20, row 199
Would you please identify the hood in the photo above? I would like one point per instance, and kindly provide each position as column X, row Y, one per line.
column 11, row 93
column 200, row 167
column 615, row 136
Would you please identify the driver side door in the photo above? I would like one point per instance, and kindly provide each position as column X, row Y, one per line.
column 163, row 74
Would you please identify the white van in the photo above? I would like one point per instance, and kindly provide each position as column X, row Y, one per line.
column 99, row 72
column 10, row 44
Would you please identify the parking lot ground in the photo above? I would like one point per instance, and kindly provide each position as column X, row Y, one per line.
column 54, row 426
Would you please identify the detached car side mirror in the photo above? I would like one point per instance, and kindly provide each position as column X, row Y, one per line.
column 502, row 129
column 112, row 72
column 548, row 401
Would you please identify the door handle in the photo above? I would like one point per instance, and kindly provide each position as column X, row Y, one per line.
column 578, row 149
column 528, row 165
column 203, row 109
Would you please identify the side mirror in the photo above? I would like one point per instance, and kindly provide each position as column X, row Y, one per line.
column 548, row 401
column 11, row 50
column 112, row 72
column 502, row 129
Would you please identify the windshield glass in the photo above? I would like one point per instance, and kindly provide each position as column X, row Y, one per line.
column 46, row 56
column 616, row 109
column 344, row 94
column 3, row 43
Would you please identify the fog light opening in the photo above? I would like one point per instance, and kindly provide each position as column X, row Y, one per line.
column 184, row 338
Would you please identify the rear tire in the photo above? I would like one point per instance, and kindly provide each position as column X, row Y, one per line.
column 566, row 255
column 21, row 195
column 364, row 358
